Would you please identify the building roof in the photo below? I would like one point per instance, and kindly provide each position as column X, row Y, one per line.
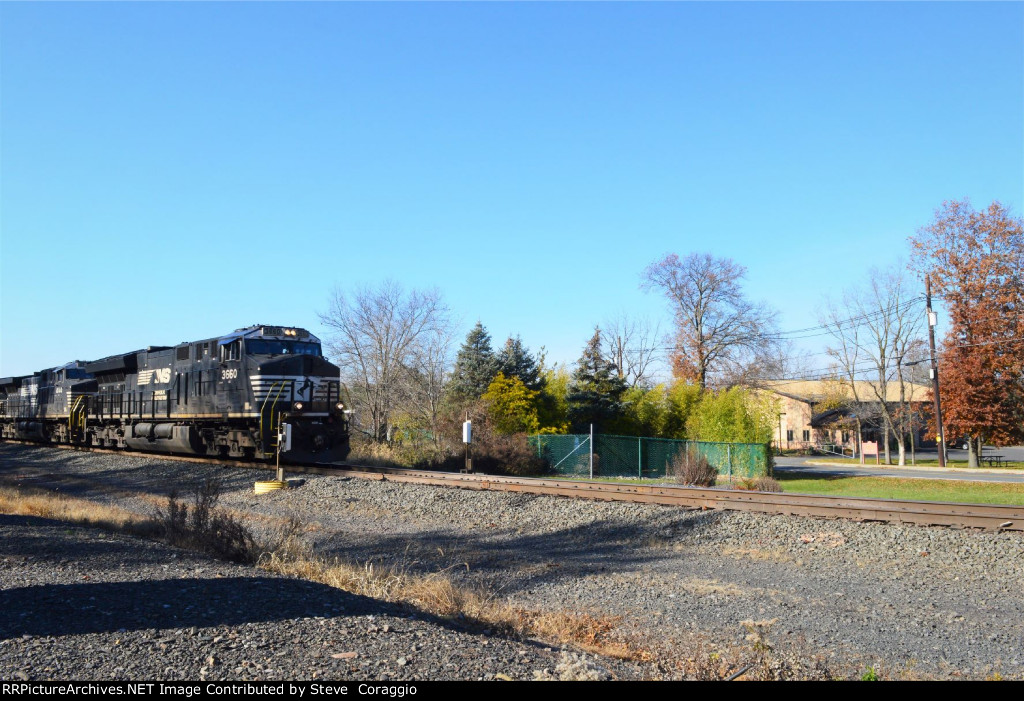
column 833, row 417
column 815, row 390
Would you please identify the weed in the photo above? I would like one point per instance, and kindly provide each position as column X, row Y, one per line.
column 757, row 634
column 706, row 665
column 769, row 664
column 206, row 528
column 574, row 668
column 694, row 469
column 767, row 484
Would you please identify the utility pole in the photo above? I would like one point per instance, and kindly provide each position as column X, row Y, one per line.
column 935, row 370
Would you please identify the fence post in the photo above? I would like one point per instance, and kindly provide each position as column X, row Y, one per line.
column 728, row 453
column 639, row 458
column 591, row 451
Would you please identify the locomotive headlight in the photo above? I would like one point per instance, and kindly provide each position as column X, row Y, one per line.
column 339, row 406
column 297, row 406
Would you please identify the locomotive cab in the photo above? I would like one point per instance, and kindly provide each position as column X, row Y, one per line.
column 290, row 381
column 287, row 368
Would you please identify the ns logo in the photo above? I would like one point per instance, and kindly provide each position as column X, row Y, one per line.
column 160, row 375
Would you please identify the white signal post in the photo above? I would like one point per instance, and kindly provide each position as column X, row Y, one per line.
column 467, row 438
column 284, row 436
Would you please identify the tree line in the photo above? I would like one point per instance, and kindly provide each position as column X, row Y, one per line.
column 411, row 388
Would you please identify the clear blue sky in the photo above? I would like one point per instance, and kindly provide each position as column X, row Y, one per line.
column 174, row 171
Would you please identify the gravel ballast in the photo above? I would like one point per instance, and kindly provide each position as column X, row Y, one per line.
column 90, row 605
column 907, row 600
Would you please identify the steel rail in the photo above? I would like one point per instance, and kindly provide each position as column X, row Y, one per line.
column 986, row 516
column 928, row 513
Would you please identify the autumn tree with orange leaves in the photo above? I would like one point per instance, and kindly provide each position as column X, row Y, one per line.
column 976, row 263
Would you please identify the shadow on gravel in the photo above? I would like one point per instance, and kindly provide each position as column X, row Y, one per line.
column 536, row 559
column 99, row 607
column 36, row 539
column 33, row 548
column 138, row 474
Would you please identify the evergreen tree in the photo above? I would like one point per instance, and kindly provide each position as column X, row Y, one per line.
column 514, row 360
column 595, row 393
column 475, row 366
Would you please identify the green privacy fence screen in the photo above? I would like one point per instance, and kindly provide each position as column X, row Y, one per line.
column 631, row 456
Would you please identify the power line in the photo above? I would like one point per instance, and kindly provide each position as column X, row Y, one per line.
column 831, row 329
column 821, row 330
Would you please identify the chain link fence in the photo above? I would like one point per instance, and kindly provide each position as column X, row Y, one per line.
column 632, row 456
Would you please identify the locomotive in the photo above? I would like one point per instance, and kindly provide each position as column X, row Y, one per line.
column 233, row 396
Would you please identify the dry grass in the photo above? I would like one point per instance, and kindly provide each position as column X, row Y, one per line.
column 594, row 633
column 761, row 555
column 705, row 587
column 433, row 592
column 29, row 501
column 364, row 452
column 767, row 484
column 439, row 594
column 706, row 663
column 757, row 484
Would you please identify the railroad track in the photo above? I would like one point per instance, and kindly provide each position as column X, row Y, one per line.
column 929, row 513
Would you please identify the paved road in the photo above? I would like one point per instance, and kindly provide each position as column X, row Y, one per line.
column 1012, row 453
column 800, row 465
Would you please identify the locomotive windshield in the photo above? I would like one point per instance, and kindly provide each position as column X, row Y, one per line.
column 267, row 347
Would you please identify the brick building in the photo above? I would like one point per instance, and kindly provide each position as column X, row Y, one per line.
column 834, row 428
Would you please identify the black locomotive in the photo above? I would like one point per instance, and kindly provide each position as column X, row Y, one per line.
column 231, row 396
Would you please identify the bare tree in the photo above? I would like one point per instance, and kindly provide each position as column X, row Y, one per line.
column 846, row 352
column 776, row 359
column 718, row 331
column 632, row 344
column 875, row 331
column 782, row 359
column 914, row 371
column 378, row 334
column 425, row 379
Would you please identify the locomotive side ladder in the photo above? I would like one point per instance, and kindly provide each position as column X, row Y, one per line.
column 275, row 393
column 76, row 420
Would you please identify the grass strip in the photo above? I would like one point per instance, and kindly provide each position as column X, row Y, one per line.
column 960, row 491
